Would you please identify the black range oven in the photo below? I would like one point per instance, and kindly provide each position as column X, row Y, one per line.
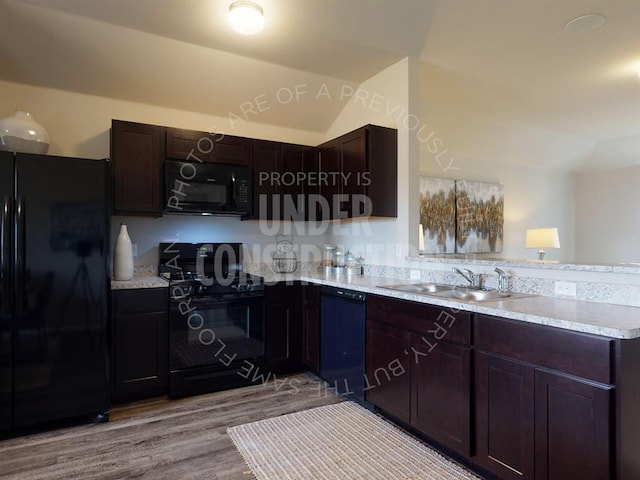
column 216, row 318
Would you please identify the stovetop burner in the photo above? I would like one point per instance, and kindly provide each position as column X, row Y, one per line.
column 197, row 269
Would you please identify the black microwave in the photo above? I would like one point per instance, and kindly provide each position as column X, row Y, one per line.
column 207, row 188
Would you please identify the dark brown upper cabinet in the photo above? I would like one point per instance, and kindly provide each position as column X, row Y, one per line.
column 188, row 145
column 266, row 165
column 137, row 168
column 231, row 150
column 358, row 173
column 195, row 146
column 279, row 180
column 329, row 205
column 354, row 175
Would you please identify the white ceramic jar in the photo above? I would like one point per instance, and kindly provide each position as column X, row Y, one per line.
column 123, row 255
column 21, row 133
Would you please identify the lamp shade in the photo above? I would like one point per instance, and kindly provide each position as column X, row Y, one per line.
column 542, row 238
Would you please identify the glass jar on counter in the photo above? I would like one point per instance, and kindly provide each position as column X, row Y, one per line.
column 354, row 265
column 339, row 258
column 327, row 255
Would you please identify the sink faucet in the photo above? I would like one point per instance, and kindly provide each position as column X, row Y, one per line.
column 472, row 278
column 503, row 279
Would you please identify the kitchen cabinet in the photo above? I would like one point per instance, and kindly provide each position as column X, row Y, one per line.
column 354, row 175
column 441, row 393
column 266, row 165
column 311, row 326
column 572, row 428
column 504, row 416
column 387, row 367
column 360, row 165
column 330, row 205
column 283, row 328
column 431, row 346
column 279, row 180
column 543, row 401
column 137, row 177
column 139, row 343
column 188, row 145
column 294, row 185
column 231, row 150
column 196, row 146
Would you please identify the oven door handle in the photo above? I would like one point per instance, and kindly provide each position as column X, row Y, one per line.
column 187, row 304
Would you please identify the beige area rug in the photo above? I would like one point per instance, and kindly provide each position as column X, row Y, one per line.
column 341, row 441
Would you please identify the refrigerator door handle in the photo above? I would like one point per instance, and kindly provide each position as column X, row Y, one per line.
column 20, row 259
column 5, row 257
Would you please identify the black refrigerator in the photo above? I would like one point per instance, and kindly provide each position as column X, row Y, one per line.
column 54, row 244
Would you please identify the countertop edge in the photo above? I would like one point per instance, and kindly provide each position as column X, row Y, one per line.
column 503, row 308
column 139, row 283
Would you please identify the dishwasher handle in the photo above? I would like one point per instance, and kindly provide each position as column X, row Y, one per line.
column 342, row 293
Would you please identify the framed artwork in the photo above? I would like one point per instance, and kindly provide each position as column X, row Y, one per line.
column 438, row 214
column 479, row 217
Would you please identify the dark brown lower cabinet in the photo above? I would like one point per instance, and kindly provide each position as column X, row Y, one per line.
column 519, row 401
column 139, row 344
column 311, row 326
column 504, row 416
column 418, row 364
column 441, row 391
column 283, row 327
column 534, row 420
column 572, row 428
column 388, row 384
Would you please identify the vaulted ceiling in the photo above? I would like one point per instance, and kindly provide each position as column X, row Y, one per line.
column 484, row 62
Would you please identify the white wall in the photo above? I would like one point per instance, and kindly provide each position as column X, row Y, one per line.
column 608, row 215
column 465, row 137
column 78, row 125
column 389, row 99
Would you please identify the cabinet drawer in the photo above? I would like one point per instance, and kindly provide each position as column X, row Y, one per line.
column 442, row 323
column 140, row 300
column 580, row 354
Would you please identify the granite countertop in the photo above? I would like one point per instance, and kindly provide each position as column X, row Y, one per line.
column 604, row 319
column 139, row 282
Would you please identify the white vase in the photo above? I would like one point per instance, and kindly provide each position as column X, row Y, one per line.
column 123, row 255
column 21, row 133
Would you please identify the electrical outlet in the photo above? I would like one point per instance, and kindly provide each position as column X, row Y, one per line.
column 415, row 275
column 134, row 249
column 566, row 289
column 369, row 250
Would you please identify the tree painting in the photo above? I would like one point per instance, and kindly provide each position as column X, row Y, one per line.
column 438, row 214
column 479, row 217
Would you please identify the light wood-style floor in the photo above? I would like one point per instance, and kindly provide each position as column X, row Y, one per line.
column 160, row 438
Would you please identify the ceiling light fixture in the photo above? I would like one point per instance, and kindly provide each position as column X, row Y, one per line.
column 246, row 17
column 585, row 23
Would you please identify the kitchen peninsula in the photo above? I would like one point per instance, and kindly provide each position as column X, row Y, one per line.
column 528, row 368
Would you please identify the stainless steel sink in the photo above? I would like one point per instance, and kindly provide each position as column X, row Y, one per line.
column 425, row 288
column 455, row 292
column 470, row 295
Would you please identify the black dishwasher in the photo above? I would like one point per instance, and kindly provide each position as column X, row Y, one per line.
column 342, row 332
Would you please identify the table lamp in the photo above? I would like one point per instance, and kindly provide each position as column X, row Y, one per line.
column 542, row 238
